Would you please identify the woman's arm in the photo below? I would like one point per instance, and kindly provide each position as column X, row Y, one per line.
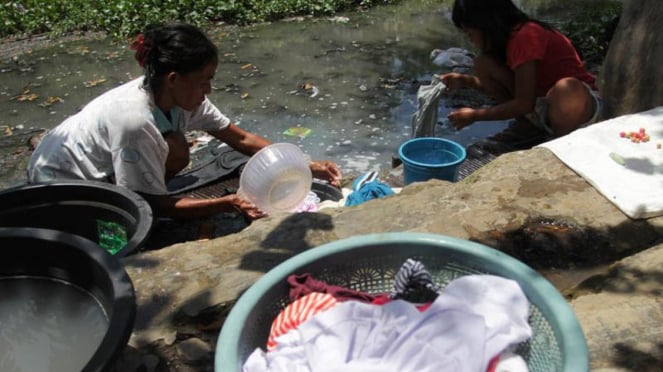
column 455, row 80
column 245, row 142
column 184, row 207
column 523, row 101
column 249, row 143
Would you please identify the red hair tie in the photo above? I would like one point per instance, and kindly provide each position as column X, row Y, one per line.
column 141, row 51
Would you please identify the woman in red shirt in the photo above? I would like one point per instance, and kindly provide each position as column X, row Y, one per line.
column 527, row 66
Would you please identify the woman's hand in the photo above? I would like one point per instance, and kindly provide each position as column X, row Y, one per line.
column 326, row 170
column 248, row 209
column 453, row 80
column 462, row 117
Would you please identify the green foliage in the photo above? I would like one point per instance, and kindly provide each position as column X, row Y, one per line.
column 592, row 29
column 122, row 18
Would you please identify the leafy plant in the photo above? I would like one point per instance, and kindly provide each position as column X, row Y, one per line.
column 592, row 29
column 121, row 18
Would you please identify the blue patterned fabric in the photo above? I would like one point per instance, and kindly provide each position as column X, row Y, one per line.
column 367, row 187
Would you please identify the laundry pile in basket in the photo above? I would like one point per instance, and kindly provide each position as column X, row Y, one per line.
column 473, row 324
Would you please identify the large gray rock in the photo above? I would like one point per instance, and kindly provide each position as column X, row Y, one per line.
column 631, row 73
column 526, row 203
column 621, row 313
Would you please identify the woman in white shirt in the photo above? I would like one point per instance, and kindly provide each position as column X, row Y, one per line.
column 133, row 135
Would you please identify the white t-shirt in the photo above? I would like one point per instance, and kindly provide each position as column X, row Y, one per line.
column 117, row 137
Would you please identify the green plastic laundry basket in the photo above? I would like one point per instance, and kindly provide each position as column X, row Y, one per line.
column 369, row 263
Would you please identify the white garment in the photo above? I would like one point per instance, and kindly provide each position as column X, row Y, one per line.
column 474, row 319
column 510, row 362
column 118, row 136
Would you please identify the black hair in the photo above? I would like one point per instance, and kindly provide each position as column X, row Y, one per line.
column 496, row 19
column 175, row 47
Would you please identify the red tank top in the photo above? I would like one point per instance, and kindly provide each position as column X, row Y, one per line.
column 556, row 56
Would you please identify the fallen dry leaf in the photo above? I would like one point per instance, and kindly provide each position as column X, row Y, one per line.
column 50, row 100
column 93, row 83
column 27, row 95
column 113, row 55
column 82, row 50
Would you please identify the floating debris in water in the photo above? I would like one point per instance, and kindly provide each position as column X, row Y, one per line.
column 310, row 89
column 300, row 132
column 51, row 100
column 339, row 19
column 26, row 95
column 93, row 83
column 80, row 50
column 112, row 55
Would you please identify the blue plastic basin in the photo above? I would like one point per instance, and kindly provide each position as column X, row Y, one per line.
column 430, row 157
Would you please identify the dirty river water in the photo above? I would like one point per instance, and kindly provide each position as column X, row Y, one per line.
column 346, row 84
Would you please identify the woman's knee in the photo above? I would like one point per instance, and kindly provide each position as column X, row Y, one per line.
column 570, row 105
column 178, row 153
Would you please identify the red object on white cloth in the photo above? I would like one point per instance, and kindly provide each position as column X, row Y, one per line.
column 297, row 312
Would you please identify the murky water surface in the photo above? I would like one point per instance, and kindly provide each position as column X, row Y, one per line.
column 48, row 325
column 347, row 84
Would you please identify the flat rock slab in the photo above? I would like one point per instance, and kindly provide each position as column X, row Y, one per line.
column 191, row 280
column 623, row 312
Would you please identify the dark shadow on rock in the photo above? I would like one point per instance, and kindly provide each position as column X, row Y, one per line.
column 291, row 232
column 167, row 232
column 545, row 243
column 197, row 318
column 625, row 280
column 286, row 240
column 140, row 262
column 636, row 360
column 145, row 312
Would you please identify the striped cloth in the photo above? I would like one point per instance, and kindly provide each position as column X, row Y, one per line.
column 412, row 276
column 296, row 313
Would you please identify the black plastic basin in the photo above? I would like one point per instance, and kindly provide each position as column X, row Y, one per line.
column 325, row 191
column 67, row 263
column 104, row 213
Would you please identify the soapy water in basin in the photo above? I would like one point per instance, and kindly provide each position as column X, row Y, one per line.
column 48, row 325
column 437, row 157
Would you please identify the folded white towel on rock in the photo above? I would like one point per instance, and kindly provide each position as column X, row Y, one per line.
column 628, row 174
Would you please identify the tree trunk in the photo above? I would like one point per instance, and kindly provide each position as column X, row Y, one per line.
column 631, row 79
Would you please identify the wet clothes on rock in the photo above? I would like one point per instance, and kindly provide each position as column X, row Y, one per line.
column 475, row 318
column 118, row 138
column 367, row 187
